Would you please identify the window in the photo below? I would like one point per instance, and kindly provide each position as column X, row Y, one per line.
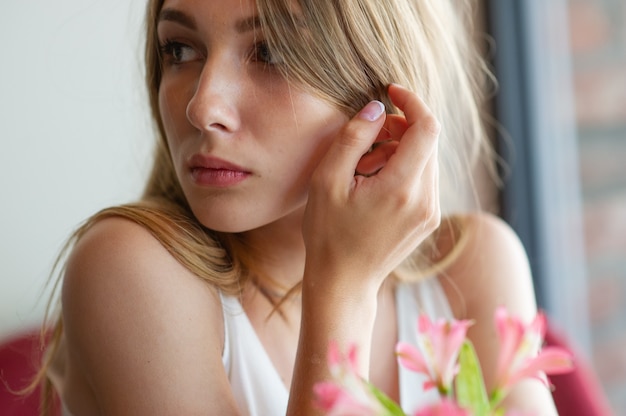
column 561, row 65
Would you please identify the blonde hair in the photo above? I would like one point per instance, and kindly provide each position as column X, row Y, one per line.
column 346, row 52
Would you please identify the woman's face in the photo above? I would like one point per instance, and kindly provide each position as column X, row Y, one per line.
column 244, row 141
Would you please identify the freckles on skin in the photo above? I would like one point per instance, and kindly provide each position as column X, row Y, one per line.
column 328, row 121
column 243, row 111
column 307, row 123
column 174, row 131
column 167, row 110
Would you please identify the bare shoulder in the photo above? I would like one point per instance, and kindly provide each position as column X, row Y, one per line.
column 146, row 333
column 490, row 269
column 121, row 259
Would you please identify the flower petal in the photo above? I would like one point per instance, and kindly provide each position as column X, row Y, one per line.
column 424, row 325
column 454, row 338
column 410, row 358
column 326, row 394
column 444, row 408
column 552, row 360
column 334, row 356
column 511, row 334
column 352, row 357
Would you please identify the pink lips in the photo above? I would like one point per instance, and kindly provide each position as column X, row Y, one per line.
column 211, row 171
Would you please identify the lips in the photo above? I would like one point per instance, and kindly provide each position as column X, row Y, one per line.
column 215, row 172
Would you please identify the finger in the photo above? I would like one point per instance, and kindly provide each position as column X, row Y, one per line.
column 394, row 127
column 419, row 140
column 429, row 204
column 375, row 160
column 408, row 102
column 352, row 142
column 430, row 194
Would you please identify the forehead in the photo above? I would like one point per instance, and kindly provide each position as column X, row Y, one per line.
column 209, row 16
column 226, row 10
column 200, row 9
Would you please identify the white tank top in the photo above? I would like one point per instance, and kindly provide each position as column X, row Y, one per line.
column 259, row 390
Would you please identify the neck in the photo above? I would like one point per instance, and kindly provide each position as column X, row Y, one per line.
column 277, row 251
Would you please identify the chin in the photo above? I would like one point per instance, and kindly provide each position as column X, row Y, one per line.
column 228, row 222
column 232, row 227
column 228, row 219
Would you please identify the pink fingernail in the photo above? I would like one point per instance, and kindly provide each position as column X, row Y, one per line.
column 372, row 111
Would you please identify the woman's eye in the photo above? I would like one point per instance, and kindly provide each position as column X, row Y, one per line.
column 178, row 53
column 261, row 53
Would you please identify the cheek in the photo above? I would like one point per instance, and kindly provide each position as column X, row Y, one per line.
column 321, row 126
column 172, row 108
column 316, row 136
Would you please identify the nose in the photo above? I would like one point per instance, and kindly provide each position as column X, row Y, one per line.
column 213, row 106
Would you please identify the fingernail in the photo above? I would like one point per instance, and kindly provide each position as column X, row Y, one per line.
column 372, row 111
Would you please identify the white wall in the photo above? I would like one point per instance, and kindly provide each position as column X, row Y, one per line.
column 75, row 134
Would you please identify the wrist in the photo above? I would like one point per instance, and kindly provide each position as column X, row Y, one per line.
column 339, row 312
column 345, row 283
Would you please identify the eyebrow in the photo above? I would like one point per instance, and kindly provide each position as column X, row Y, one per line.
column 248, row 24
column 177, row 16
column 173, row 15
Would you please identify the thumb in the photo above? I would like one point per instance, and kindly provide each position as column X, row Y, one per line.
column 353, row 141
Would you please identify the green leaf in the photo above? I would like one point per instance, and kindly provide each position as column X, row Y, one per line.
column 498, row 412
column 469, row 384
column 390, row 406
column 496, row 398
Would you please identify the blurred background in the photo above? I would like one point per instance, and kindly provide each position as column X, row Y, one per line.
column 75, row 133
column 76, row 137
column 598, row 48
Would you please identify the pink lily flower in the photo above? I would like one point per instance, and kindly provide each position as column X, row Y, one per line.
column 337, row 400
column 442, row 341
column 348, row 394
column 520, row 351
column 444, row 408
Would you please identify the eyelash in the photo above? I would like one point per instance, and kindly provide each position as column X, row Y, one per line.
column 260, row 52
column 168, row 50
column 260, row 49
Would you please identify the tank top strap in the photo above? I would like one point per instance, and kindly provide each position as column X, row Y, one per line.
column 255, row 383
column 413, row 299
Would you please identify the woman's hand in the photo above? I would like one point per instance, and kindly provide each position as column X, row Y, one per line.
column 358, row 228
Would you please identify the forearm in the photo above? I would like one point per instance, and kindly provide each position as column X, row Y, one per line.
column 358, row 229
column 342, row 315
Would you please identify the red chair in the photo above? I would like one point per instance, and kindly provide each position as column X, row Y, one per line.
column 20, row 357
column 577, row 393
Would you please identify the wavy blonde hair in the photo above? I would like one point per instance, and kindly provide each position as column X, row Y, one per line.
column 346, row 52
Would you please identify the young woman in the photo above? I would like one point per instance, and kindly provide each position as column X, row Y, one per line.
column 307, row 150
